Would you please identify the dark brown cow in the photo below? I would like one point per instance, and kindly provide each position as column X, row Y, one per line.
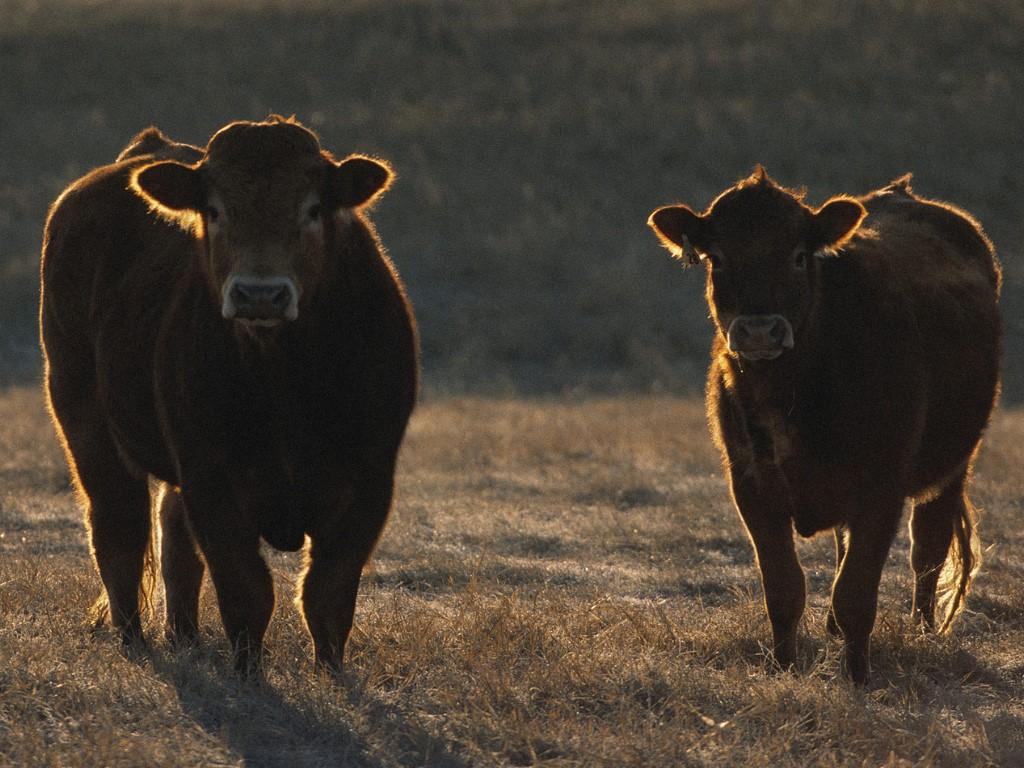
column 855, row 364
column 225, row 320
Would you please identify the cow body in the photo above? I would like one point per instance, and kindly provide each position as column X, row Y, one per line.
column 882, row 395
column 269, row 428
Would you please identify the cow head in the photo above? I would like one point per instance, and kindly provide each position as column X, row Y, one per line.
column 762, row 246
column 266, row 203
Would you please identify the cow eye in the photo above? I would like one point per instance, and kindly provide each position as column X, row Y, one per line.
column 800, row 259
column 212, row 214
column 314, row 212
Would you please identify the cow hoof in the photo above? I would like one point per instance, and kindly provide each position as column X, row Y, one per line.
column 329, row 666
column 180, row 639
column 134, row 647
column 780, row 664
column 248, row 664
column 856, row 667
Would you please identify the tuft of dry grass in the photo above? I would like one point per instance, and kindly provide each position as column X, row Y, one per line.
column 563, row 582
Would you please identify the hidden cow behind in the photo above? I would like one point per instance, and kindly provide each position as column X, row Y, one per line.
column 855, row 364
column 226, row 321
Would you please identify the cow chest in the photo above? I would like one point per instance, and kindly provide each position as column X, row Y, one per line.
column 791, row 467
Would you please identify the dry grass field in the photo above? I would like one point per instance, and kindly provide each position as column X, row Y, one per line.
column 562, row 583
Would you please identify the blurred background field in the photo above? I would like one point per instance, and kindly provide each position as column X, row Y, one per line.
column 532, row 139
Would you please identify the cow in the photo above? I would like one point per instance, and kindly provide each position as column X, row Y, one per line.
column 855, row 365
column 225, row 322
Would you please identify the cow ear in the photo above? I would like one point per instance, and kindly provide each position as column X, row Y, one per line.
column 173, row 189
column 680, row 230
column 357, row 181
column 836, row 221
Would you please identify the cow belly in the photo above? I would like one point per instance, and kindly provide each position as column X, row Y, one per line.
column 813, row 516
column 285, row 508
column 136, row 430
column 148, row 455
column 818, row 497
column 282, row 530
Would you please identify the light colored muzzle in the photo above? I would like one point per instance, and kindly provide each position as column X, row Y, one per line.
column 259, row 300
column 760, row 337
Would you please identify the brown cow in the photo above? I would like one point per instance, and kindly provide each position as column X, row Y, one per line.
column 226, row 321
column 855, row 364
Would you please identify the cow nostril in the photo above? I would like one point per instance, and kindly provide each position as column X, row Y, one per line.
column 281, row 297
column 240, row 294
column 778, row 331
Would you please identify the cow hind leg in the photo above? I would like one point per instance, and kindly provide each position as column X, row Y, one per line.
column 855, row 592
column 182, row 570
column 117, row 514
column 943, row 547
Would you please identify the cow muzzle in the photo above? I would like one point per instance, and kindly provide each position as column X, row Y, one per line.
column 760, row 337
column 260, row 300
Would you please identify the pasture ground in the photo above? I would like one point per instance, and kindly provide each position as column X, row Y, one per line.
column 563, row 582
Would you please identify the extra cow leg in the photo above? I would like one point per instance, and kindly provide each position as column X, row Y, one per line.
column 245, row 589
column 931, row 533
column 840, row 536
column 855, row 592
column 117, row 511
column 334, row 567
column 182, row 569
column 782, row 578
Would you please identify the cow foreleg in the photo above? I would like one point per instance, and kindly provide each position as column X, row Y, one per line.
column 329, row 592
column 855, row 592
column 182, row 570
column 339, row 550
column 782, row 578
column 230, row 543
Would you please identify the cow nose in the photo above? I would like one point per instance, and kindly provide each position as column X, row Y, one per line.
column 760, row 336
column 761, row 331
column 253, row 296
column 270, row 299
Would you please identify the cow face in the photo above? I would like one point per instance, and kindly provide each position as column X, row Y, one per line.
column 761, row 246
column 267, row 205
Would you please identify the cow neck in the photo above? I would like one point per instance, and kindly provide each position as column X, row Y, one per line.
column 329, row 326
column 775, row 384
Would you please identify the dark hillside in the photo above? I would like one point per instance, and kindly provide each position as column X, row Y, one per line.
column 532, row 139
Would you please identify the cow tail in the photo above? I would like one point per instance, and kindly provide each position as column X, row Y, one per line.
column 961, row 564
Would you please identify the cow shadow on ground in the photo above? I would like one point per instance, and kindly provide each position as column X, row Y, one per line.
column 920, row 661
column 263, row 729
